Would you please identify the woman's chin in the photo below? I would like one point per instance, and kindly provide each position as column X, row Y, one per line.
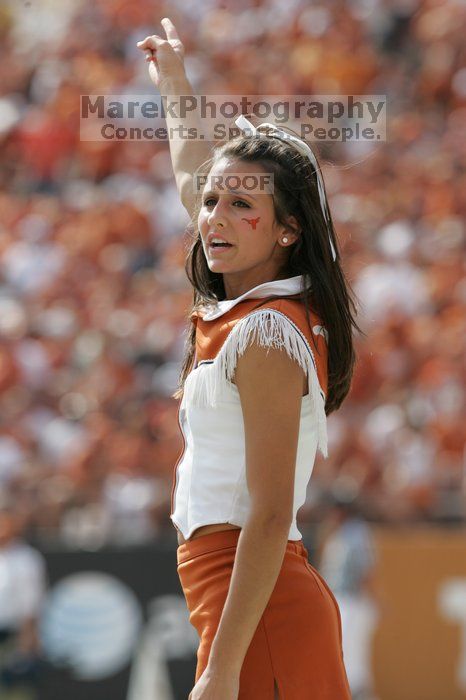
column 218, row 266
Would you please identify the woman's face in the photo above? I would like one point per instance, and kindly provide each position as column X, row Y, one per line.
column 242, row 214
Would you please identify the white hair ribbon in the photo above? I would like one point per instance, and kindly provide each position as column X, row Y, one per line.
column 300, row 145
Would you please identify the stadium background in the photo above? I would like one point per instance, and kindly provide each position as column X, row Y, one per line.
column 93, row 295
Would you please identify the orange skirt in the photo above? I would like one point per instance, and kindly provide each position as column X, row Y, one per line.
column 298, row 641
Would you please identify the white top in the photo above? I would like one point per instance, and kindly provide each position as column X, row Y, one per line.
column 22, row 584
column 210, row 479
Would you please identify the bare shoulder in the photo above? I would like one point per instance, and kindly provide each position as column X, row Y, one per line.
column 267, row 370
column 272, row 361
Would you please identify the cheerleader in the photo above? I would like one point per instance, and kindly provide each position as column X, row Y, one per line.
column 269, row 356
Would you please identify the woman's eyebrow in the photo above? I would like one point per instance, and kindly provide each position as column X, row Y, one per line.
column 230, row 191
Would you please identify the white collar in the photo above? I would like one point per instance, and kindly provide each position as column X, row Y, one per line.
column 286, row 287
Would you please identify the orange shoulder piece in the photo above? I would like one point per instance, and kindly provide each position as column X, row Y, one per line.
column 211, row 335
column 315, row 334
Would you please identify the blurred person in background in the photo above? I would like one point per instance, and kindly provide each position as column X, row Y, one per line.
column 347, row 561
column 22, row 591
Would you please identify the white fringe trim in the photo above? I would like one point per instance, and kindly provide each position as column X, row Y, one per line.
column 206, row 384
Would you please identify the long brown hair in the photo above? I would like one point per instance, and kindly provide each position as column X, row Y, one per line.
column 325, row 289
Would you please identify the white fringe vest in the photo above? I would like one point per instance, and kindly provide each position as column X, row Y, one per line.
column 210, row 476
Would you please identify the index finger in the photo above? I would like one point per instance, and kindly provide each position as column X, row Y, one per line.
column 170, row 30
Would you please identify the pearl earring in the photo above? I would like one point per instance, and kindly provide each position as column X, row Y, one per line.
column 285, row 239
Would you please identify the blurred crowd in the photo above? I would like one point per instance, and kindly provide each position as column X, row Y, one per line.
column 93, row 294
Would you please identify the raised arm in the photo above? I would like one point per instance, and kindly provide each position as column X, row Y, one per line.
column 166, row 69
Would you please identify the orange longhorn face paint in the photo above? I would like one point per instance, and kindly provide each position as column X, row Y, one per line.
column 252, row 222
